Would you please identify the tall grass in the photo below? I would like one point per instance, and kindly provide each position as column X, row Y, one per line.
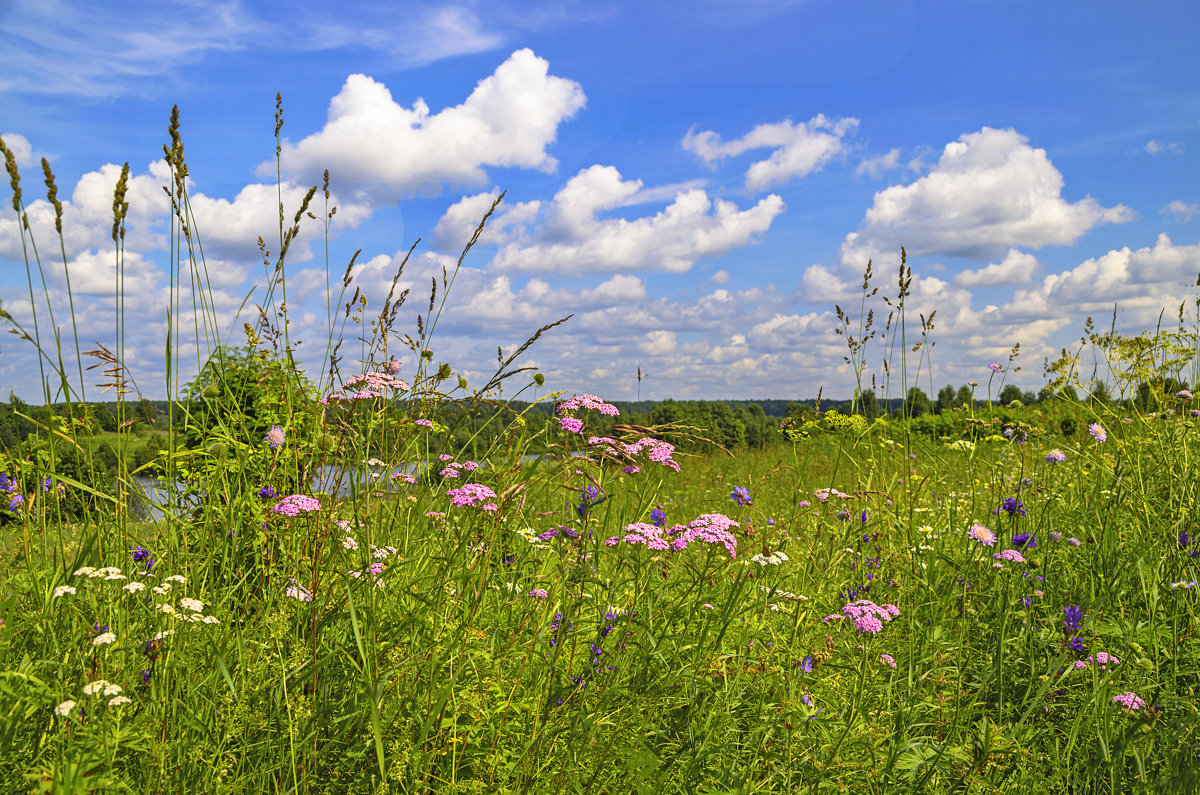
column 495, row 625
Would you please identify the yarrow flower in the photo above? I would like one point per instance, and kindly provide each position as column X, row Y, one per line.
column 571, row 425
column 867, row 616
column 1055, row 456
column 471, row 495
column 1097, row 432
column 64, row 709
column 63, row 590
column 589, row 403
column 104, row 639
column 887, row 659
column 1130, row 700
column 295, row 504
column 275, row 437
column 982, row 534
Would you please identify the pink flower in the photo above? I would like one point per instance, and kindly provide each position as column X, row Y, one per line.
column 868, row 623
column 887, row 659
column 995, row 367
column 588, row 403
column 423, row 423
column 631, row 470
column 471, row 495
column 571, row 425
column 1055, row 456
column 982, row 534
column 1097, row 431
column 1131, row 701
column 539, row 593
column 295, row 504
column 275, row 437
column 1011, row 555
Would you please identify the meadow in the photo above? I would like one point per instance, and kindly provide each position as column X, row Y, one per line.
column 856, row 607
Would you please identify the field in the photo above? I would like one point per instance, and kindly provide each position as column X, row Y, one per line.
column 856, row 607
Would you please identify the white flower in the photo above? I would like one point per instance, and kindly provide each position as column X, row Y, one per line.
column 176, row 578
column 349, row 543
column 166, row 608
column 380, row 553
column 107, row 571
column 133, row 587
column 209, row 620
column 195, row 605
column 118, row 701
column 162, row 589
column 62, row 590
column 64, row 709
column 91, row 688
column 112, row 689
column 115, row 576
column 166, row 633
column 104, row 638
column 86, row 571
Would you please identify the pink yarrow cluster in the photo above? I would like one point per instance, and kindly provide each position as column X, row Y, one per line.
column 472, row 495
column 367, row 385
column 587, row 403
column 1130, row 700
column 1011, row 555
column 866, row 615
column 296, row 504
column 659, row 452
column 709, row 528
column 452, row 470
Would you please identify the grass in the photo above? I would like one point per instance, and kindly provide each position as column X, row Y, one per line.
column 525, row 628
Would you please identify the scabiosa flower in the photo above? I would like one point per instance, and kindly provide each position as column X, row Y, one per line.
column 1055, row 456
column 1010, row 555
column 995, row 367
column 982, row 534
column 275, row 437
column 741, row 495
column 1097, row 432
column 1131, row 701
column 298, row 592
column 1074, row 542
column 1055, row 535
column 295, row 504
column 1183, row 394
column 887, row 659
column 539, row 593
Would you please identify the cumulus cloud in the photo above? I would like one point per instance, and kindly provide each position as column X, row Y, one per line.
column 1181, row 210
column 876, row 166
column 386, row 151
column 571, row 239
column 20, row 147
column 1159, row 147
column 1017, row 267
column 799, row 148
column 989, row 191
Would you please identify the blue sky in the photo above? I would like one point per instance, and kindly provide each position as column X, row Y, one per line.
column 699, row 183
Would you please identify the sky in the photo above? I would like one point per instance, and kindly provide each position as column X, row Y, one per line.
column 699, row 185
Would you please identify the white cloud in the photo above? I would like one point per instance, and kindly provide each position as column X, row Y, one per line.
column 658, row 343
column 572, row 240
column 1181, row 210
column 989, row 191
column 20, row 147
column 387, row 151
column 1017, row 267
column 800, row 148
column 720, row 278
column 1158, row 147
column 875, row 166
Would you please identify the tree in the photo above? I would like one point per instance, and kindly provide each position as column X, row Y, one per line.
column 868, row 404
column 945, row 399
column 1010, row 393
column 916, row 403
column 964, row 397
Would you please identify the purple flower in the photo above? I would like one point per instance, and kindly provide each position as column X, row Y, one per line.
column 887, row 659
column 1073, row 618
column 16, row 502
column 1184, row 394
column 1025, row 541
column 140, row 554
column 571, row 425
column 1129, row 700
column 1074, row 542
column 1011, row 555
column 267, row 492
column 1011, row 506
column 1055, row 457
column 1097, row 431
column 982, row 534
column 539, row 593
column 275, row 437
column 658, row 517
column 741, row 495
column 295, row 504
column 995, row 367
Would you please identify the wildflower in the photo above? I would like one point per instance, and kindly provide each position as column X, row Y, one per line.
column 63, row 590
column 741, row 495
column 195, row 605
column 973, row 383
column 887, row 659
column 423, row 423
column 393, row 367
column 118, row 701
column 539, row 593
column 92, row 688
column 587, row 402
column 64, row 709
column 571, row 425
column 1011, row 506
column 86, row 571
column 111, row 689
column 349, row 543
column 295, row 504
column 275, row 437
column 1055, row 535
column 470, row 495
column 1103, row 660
column 1011, row 555
column 267, row 492
column 1025, row 541
column 1055, row 456
column 1097, row 432
column 1183, row 394
column 868, row 623
column 1073, row 618
column 1129, row 700
column 16, row 502
column 104, row 638
column 995, row 367
column 1074, row 542
column 133, row 587
column 982, row 534
column 298, row 592
column 632, row 469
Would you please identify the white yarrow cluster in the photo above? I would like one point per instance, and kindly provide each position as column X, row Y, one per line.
column 774, row 559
